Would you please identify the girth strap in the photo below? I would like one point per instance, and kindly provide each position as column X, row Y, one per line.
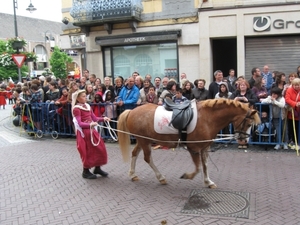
column 181, row 117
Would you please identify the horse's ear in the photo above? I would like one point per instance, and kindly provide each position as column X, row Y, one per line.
column 254, row 114
column 253, row 111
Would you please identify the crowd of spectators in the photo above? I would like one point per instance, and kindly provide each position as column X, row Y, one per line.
column 110, row 98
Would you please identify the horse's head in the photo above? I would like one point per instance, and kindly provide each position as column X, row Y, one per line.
column 243, row 125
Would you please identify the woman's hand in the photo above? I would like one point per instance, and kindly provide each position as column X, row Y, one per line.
column 106, row 119
column 93, row 124
column 245, row 99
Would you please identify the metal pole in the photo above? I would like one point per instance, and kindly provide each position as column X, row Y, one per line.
column 46, row 53
column 16, row 33
column 15, row 18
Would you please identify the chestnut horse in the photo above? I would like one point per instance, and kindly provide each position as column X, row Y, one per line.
column 213, row 116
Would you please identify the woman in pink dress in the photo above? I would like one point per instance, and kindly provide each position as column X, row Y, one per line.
column 3, row 93
column 90, row 145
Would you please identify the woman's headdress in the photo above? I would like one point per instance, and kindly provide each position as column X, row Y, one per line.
column 74, row 98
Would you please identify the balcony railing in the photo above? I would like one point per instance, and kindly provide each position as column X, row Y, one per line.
column 87, row 12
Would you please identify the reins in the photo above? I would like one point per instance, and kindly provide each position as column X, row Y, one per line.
column 230, row 136
column 110, row 130
column 242, row 124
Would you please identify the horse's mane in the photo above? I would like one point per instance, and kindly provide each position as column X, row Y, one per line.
column 228, row 102
column 223, row 101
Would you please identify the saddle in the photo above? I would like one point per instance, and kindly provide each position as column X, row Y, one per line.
column 181, row 117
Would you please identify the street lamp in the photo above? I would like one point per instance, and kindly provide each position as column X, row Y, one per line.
column 31, row 9
column 49, row 38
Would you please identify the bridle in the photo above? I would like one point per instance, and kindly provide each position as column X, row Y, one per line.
column 242, row 125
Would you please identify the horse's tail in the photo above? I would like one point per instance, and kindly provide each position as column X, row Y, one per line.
column 123, row 136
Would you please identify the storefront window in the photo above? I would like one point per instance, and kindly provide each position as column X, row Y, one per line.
column 107, row 62
column 158, row 60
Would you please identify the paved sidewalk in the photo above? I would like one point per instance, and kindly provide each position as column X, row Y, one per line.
column 41, row 183
column 9, row 134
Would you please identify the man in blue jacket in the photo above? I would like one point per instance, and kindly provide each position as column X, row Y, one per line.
column 267, row 75
column 129, row 95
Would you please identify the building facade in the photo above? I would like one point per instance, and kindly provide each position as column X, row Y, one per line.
column 41, row 37
column 246, row 34
column 166, row 38
column 160, row 38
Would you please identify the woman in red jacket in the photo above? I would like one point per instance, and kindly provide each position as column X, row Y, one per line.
column 3, row 93
column 292, row 98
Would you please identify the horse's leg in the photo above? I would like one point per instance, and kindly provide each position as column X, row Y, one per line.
column 208, row 182
column 196, row 160
column 134, row 156
column 148, row 158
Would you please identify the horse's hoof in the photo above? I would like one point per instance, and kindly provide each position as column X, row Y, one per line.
column 135, row 178
column 183, row 176
column 212, row 186
column 163, row 182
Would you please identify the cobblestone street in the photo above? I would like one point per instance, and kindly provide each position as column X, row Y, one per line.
column 41, row 183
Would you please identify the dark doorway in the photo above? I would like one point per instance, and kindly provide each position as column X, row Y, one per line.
column 224, row 55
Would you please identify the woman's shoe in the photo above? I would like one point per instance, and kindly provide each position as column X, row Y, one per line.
column 285, row 147
column 240, row 146
column 88, row 175
column 245, row 146
column 99, row 171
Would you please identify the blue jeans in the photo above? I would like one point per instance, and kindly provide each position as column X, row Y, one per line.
column 277, row 123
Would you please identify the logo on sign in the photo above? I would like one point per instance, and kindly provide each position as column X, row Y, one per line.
column 262, row 23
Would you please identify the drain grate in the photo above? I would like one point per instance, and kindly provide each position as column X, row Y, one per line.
column 221, row 203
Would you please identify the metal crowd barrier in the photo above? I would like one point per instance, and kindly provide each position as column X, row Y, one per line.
column 41, row 119
column 49, row 119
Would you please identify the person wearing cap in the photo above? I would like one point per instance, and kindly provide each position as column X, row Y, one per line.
column 90, row 145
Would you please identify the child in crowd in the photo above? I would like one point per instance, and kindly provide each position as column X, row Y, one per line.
column 223, row 91
column 25, row 94
column 178, row 98
column 151, row 97
column 263, row 128
column 110, row 112
column 97, row 107
column 110, row 107
column 36, row 98
column 278, row 115
column 62, row 103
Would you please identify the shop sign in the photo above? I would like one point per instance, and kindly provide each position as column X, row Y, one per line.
column 136, row 39
column 264, row 23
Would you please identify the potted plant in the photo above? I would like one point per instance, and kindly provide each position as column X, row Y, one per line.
column 17, row 42
column 47, row 72
column 30, row 57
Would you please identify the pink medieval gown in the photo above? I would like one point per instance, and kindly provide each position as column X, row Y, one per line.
column 91, row 155
column 2, row 97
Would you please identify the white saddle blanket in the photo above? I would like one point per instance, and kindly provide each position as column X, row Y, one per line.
column 162, row 119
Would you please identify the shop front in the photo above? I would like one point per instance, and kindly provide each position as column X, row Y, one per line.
column 256, row 36
column 154, row 53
